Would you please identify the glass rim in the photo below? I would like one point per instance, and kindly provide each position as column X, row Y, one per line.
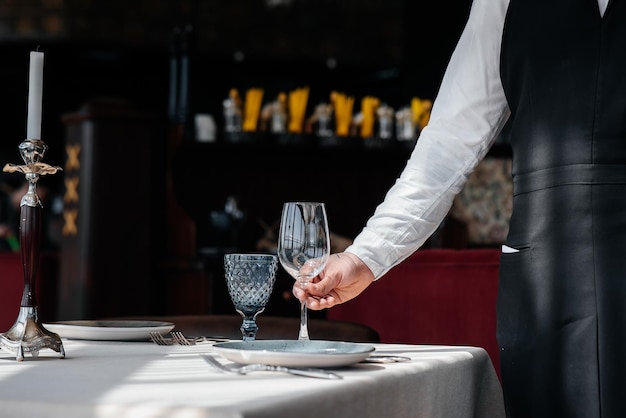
column 250, row 255
column 303, row 202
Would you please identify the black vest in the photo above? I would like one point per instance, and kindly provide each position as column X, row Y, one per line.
column 563, row 69
column 562, row 297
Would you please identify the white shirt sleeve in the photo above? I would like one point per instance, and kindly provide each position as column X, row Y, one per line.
column 467, row 116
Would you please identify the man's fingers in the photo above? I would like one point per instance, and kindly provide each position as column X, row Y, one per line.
column 313, row 302
column 298, row 292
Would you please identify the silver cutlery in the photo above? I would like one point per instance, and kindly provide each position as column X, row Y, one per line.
column 178, row 338
column 385, row 359
column 181, row 339
column 308, row 372
column 159, row 339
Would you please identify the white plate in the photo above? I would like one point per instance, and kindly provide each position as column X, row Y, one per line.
column 295, row 353
column 108, row 330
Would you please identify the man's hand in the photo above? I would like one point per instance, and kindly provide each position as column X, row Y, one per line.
column 344, row 277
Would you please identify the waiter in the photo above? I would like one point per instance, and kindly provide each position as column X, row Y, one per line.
column 554, row 71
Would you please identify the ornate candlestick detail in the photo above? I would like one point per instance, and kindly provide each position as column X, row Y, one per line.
column 27, row 333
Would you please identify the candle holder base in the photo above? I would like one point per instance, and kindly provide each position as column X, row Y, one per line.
column 27, row 335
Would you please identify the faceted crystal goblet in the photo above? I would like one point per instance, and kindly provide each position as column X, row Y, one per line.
column 250, row 279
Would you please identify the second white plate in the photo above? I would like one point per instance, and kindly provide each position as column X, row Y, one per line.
column 114, row 330
column 295, row 353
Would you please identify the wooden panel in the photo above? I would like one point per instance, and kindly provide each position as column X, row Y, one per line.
column 107, row 244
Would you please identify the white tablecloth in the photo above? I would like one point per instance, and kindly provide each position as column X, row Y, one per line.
column 141, row 379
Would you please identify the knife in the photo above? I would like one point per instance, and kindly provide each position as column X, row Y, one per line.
column 308, row 372
column 299, row 371
column 385, row 359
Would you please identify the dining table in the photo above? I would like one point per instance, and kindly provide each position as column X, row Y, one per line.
column 138, row 379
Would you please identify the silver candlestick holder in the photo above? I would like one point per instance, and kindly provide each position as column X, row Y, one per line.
column 28, row 335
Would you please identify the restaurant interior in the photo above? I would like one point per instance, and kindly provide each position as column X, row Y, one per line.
column 150, row 198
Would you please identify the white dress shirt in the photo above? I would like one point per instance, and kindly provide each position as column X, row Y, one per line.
column 468, row 114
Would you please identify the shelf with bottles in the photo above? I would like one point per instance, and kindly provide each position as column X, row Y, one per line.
column 335, row 123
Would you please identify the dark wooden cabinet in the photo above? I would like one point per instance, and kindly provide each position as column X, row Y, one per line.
column 107, row 246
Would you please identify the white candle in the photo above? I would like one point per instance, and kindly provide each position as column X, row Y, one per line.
column 35, row 91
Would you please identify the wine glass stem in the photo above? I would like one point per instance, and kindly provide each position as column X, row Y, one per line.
column 249, row 327
column 304, row 329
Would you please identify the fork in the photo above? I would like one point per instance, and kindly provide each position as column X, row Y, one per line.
column 180, row 338
column 257, row 367
column 159, row 339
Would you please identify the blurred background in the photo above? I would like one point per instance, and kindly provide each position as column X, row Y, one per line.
column 393, row 49
column 140, row 217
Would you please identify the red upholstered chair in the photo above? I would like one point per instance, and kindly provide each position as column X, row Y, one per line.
column 434, row 297
column 12, row 287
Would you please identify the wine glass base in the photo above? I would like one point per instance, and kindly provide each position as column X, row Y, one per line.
column 27, row 335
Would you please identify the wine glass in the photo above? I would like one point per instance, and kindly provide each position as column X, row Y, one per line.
column 250, row 279
column 303, row 246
